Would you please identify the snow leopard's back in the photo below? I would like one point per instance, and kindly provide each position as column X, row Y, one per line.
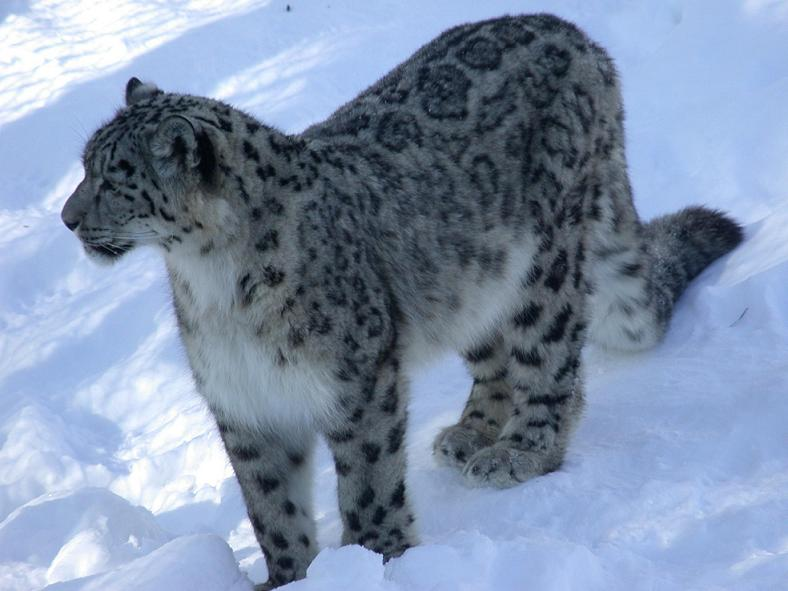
column 473, row 145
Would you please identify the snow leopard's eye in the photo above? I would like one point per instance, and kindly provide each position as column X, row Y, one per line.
column 119, row 172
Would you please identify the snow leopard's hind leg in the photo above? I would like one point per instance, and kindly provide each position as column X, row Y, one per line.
column 542, row 341
column 487, row 409
column 638, row 271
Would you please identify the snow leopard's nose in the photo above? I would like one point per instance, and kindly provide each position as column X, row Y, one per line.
column 75, row 208
column 70, row 224
column 69, row 217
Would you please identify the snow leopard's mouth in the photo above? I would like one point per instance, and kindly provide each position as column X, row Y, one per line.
column 108, row 251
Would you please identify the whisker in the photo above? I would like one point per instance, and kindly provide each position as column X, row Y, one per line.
column 116, row 248
column 135, row 235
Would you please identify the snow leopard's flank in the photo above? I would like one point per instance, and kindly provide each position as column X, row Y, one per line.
column 476, row 198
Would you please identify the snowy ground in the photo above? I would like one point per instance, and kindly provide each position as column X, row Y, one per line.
column 111, row 474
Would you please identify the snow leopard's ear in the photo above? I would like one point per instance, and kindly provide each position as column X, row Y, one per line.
column 137, row 91
column 180, row 150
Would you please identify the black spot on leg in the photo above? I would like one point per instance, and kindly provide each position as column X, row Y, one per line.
column 534, row 274
column 528, row 316
column 390, row 400
column 245, row 453
column 577, row 332
column 479, row 354
column 557, row 328
column 341, row 436
column 285, row 562
column 257, row 524
column 557, row 273
column 371, row 451
column 395, row 437
column 342, row 468
column 379, row 515
column 529, row 358
column 289, row 508
column 398, row 496
column 353, row 521
column 267, row 484
column 279, row 540
column 368, row 537
column 498, row 375
column 367, row 498
column 304, row 540
column 570, row 366
column 548, row 400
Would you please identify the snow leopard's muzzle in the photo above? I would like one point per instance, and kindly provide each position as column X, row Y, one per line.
column 101, row 244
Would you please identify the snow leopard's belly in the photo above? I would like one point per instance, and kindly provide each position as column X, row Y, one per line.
column 480, row 308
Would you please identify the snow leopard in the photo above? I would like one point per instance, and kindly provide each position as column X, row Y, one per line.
column 475, row 199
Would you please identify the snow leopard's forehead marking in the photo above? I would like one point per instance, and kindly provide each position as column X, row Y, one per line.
column 135, row 122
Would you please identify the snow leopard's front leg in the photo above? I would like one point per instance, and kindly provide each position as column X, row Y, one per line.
column 369, row 453
column 273, row 469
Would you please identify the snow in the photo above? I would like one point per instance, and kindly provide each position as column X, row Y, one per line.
column 88, row 530
column 210, row 566
column 112, row 476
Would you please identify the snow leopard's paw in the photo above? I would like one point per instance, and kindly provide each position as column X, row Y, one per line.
column 455, row 445
column 503, row 467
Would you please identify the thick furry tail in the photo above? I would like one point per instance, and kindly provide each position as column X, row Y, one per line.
column 636, row 287
column 684, row 243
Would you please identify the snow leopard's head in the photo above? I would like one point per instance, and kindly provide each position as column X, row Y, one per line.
column 151, row 175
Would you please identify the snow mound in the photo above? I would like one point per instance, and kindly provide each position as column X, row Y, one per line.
column 198, row 563
column 77, row 534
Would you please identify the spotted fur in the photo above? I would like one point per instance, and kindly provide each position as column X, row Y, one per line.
column 475, row 199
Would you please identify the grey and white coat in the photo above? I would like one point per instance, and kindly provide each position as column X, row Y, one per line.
column 475, row 199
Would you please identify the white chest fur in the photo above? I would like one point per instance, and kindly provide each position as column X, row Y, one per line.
column 246, row 378
column 251, row 383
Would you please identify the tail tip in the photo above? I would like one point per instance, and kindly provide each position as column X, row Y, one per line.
column 715, row 227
